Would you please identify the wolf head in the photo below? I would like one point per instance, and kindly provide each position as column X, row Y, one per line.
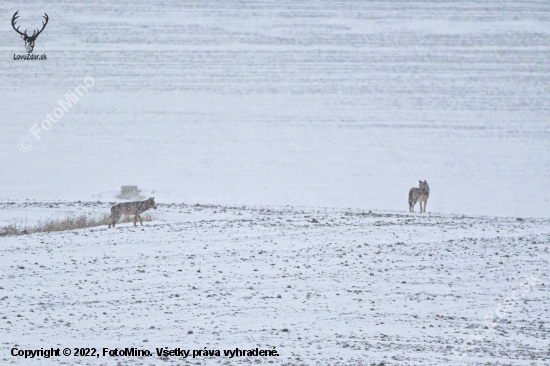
column 151, row 202
column 424, row 185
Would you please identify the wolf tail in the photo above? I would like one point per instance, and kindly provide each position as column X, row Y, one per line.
column 410, row 197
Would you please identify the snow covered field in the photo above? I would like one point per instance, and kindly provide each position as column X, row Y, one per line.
column 340, row 104
column 287, row 135
column 324, row 286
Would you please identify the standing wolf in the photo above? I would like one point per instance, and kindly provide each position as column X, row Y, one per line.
column 131, row 208
column 419, row 195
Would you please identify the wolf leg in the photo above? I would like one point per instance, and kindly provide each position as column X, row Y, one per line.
column 412, row 207
column 114, row 220
column 135, row 219
column 425, row 203
column 140, row 220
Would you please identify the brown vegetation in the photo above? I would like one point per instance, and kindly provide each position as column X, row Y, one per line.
column 70, row 222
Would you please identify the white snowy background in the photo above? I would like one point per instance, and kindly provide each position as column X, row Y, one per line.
column 344, row 104
column 298, row 128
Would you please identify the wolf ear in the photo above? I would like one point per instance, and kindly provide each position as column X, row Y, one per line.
column 425, row 181
column 419, row 181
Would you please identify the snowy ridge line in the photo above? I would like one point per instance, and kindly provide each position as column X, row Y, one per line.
column 268, row 209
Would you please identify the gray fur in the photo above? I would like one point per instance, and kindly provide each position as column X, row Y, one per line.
column 419, row 195
column 131, row 208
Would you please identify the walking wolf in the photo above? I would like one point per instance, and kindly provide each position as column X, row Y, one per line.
column 419, row 195
column 131, row 208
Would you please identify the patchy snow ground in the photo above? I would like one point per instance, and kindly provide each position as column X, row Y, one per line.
column 324, row 286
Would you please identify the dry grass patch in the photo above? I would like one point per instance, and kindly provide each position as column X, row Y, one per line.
column 71, row 222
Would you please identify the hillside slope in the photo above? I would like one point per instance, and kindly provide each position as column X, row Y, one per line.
column 321, row 285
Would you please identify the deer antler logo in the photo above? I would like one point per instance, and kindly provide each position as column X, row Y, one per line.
column 29, row 40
